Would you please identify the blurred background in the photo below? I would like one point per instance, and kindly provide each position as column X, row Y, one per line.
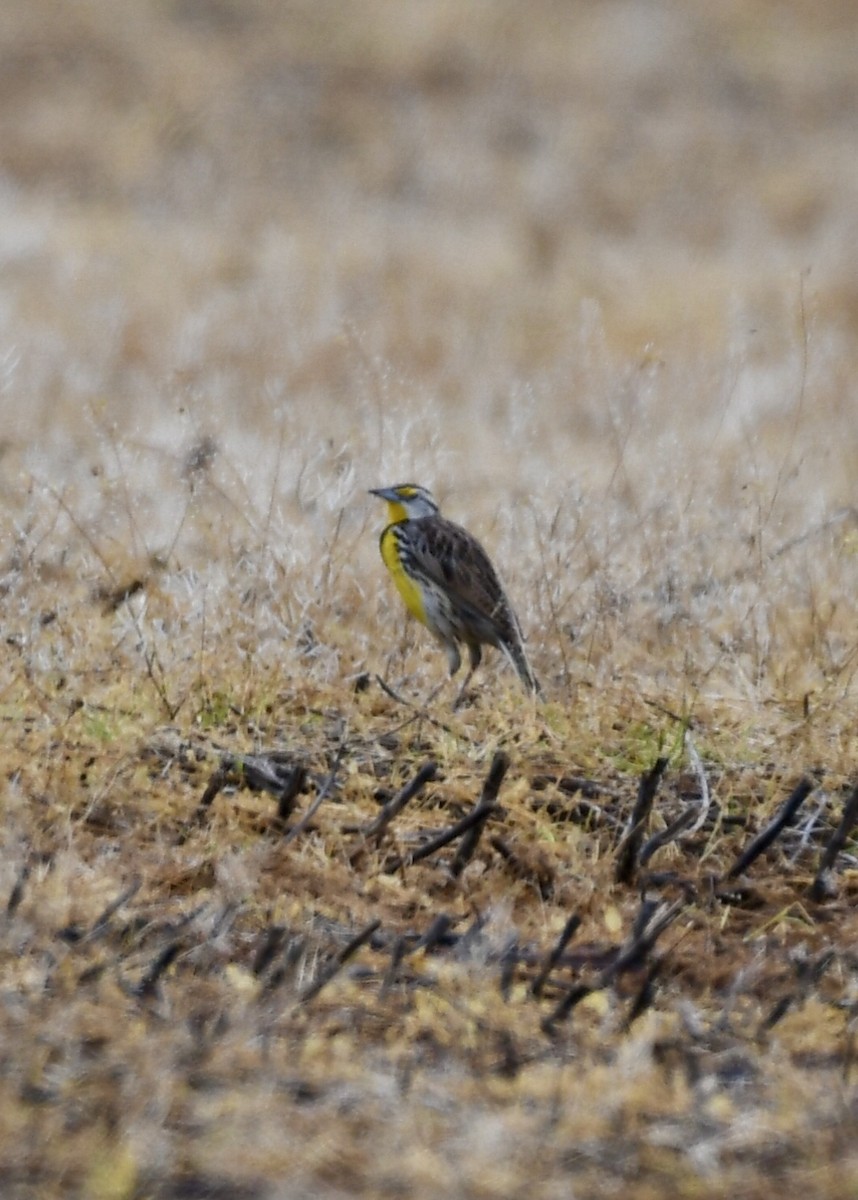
column 213, row 198
column 600, row 254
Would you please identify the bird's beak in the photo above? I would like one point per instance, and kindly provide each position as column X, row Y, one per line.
column 388, row 494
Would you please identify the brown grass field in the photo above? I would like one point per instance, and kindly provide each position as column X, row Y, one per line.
column 589, row 271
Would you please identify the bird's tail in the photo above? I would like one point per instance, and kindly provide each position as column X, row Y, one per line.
column 513, row 648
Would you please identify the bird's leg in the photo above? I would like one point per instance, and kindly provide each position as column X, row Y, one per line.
column 454, row 658
column 476, row 655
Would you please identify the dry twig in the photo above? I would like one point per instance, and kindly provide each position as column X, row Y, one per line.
column 822, row 886
column 627, row 853
column 784, row 816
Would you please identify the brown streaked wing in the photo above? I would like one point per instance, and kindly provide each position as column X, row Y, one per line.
column 455, row 560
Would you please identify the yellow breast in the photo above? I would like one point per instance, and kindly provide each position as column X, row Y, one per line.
column 406, row 587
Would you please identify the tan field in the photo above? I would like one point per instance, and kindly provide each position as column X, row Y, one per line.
column 589, row 271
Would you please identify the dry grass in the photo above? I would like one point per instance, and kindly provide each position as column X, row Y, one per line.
column 588, row 271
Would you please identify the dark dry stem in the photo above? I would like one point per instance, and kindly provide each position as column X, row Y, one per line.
column 427, row 773
column 436, row 933
column 646, row 993
column 479, row 814
column 782, row 818
column 148, row 983
column 220, row 778
column 292, row 790
column 469, row 842
column 324, row 790
column 17, row 893
column 491, row 787
column 499, row 768
column 397, row 953
column 339, row 960
column 102, row 922
column 542, row 878
column 271, row 944
column 821, row 886
column 569, row 930
column 274, row 773
column 664, row 837
column 578, row 784
column 631, row 955
column 627, row 853
column 810, row 974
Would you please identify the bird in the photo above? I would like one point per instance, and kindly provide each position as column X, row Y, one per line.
column 448, row 583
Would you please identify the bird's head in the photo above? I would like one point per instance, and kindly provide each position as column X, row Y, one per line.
column 406, row 501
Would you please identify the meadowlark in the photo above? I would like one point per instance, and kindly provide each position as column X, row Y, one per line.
column 448, row 582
